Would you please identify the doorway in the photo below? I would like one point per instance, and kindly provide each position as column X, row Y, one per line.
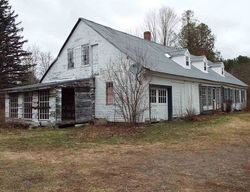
column 68, row 104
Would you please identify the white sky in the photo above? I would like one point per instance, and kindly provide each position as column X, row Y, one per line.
column 47, row 23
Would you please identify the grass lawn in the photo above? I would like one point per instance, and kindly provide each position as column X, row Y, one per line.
column 212, row 154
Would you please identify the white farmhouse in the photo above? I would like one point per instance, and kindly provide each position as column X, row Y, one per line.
column 74, row 90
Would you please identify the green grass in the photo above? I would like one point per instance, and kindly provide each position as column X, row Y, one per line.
column 49, row 139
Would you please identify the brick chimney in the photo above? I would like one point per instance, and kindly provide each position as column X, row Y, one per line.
column 147, row 35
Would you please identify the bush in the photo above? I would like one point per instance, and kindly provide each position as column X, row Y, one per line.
column 190, row 114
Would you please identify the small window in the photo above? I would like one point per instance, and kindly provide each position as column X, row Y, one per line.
column 222, row 71
column 71, row 58
column 13, row 106
column 109, row 93
column 85, row 54
column 152, row 95
column 43, row 100
column 187, row 61
column 205, row 66
column 27, row 106
column 162, row 96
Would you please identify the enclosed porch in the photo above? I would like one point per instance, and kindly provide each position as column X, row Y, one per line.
column 52, row 104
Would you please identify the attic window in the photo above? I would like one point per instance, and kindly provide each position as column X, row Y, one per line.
column 70, row 58
column 85, row 54
column 222, row 71
column 187, row 61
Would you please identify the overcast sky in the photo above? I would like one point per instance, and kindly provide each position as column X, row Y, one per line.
column 47, row 23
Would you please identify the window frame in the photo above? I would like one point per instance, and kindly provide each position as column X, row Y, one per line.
column 187, row 61
column 27, row 105
column 43, row 104
column 152, row 97
column 85, row 54
column 13, row 105
column 109, row 101
column 162, row 96
column 71, row 63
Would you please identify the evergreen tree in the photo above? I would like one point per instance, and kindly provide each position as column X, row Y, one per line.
column 197, row 37
column 12, row 70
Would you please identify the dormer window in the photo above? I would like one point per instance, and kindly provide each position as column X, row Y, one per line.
column 205, row 66
column 187, row 61
column 222, row 71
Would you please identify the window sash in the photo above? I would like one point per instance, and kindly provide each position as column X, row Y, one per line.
column 162, row 95
column 43, row 100
column 152, row 95
column 27, row 105
column 13, row 106
column 71, row 58
column 109, row 93
column 85, row 54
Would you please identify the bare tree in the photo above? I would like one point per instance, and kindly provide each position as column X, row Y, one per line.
column 168, row 21
column 41, row 60
column 151, row 24
column 130, row 86
column 162, row 24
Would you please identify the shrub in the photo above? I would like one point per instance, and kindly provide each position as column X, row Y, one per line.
column 228, row 104
column 190, row 114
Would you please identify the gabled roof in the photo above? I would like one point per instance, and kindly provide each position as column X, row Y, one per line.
column 197, row 58
column 155, row 54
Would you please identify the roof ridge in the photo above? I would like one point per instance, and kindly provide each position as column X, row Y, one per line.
column 176, row 49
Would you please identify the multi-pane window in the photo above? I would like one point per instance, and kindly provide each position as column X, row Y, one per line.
column 209, row 95
column 13, row 106
column 152, row 95
column 187, row 61
column 203, row 96
column 85, row 54
column 109, row 93
column 27, row 106
column 162, row 95
column 243, row 96
column 217, row 96
column 43, row 100
column 71, row 58
column 237, row 96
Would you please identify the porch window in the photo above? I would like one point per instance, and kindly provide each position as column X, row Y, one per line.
column 109, row 93
column 209, row 96
column 237, row 96
column 85, row 54
column 243, row 96
column 27, row 106
column 162, row 95
column 152, row 95
column 43, row 100
column 71, row 58
column 13, row 106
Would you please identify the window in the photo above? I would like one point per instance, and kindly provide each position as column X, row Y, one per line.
column 85, row 54
column 222, row 71
column 162, row 95
column 217, row 97
column 13, row 106
column 187, row 61
column 237, row 96
column 27, row 106
column 109, row 93
column 243, row 97
column 71, row 58
column 43, row 109
column 209, row 95
column 205, row 66
column 152, row 95
column 203, row 96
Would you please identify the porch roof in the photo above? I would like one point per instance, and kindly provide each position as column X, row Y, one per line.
column 42, row 86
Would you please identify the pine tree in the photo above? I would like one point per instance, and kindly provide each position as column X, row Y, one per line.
column 197, row 37
column 12, row 69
